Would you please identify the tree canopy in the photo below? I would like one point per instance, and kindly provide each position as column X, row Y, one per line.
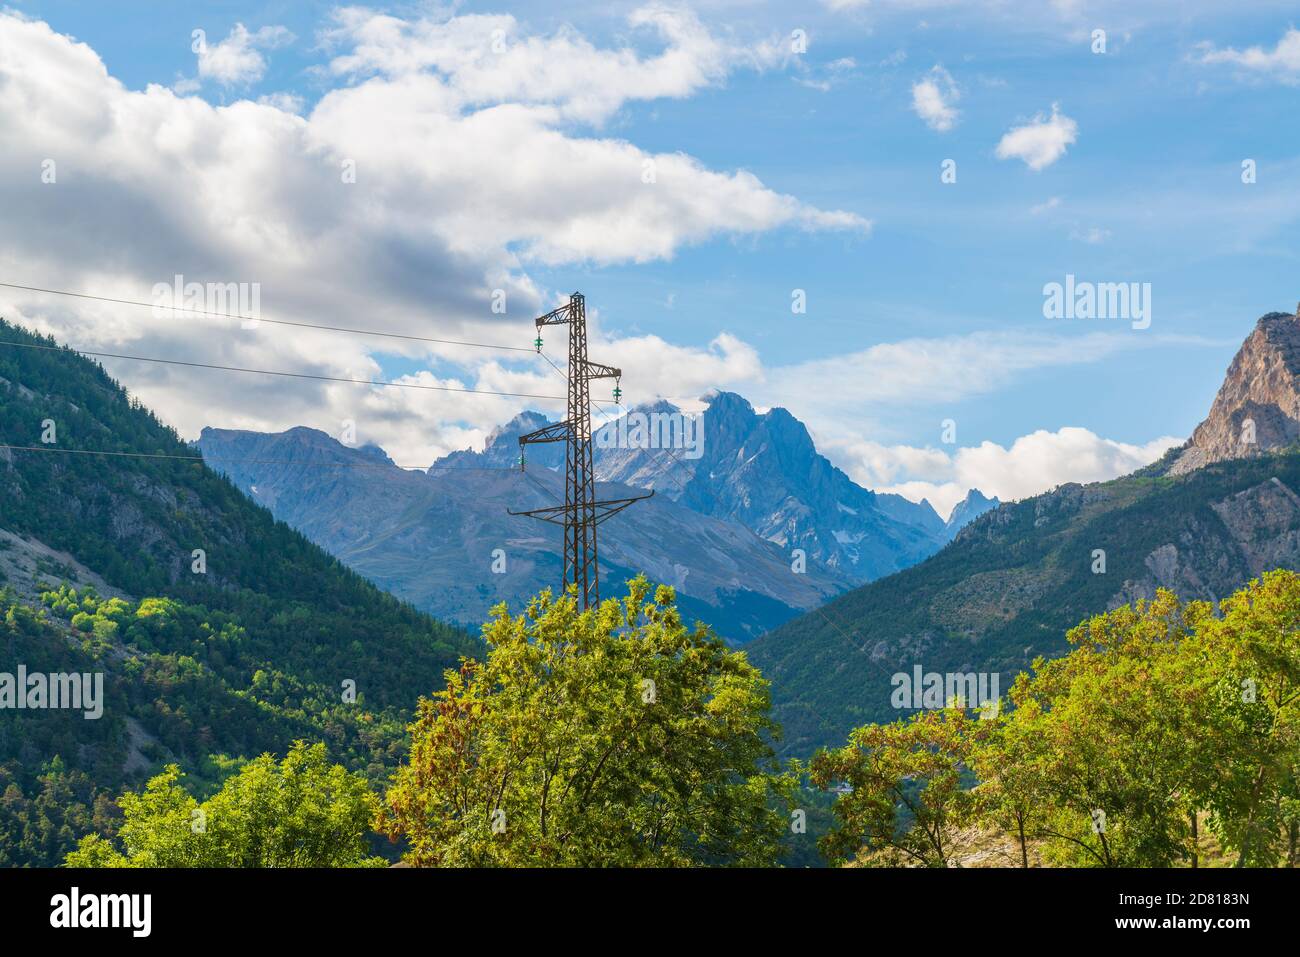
column 1163, row 716
column 614, row 736
column 298, row 812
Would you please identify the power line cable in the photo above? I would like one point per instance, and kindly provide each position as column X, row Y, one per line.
column 275, row 322
column 291, row 375
column 610, row 421
column 252, row 461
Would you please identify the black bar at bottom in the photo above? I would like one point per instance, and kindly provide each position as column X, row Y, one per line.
column 381, row 907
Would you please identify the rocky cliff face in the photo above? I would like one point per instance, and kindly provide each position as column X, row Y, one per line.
column 1258, row 529
column 975, row 504
column 1257, row 408
column 764, row 471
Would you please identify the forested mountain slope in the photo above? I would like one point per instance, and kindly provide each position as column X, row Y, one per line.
column 258, row 644
column 1203, row 521
column 1014, row 580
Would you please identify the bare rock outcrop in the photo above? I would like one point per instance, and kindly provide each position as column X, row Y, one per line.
column 1258, row 405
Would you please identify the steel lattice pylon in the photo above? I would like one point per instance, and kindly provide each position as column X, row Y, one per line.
column 580, row 513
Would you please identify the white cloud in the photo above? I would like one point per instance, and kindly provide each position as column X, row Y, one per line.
column 285, row 102
column 937, row 370
column 237, row 60
column 1041, row 142
column 1283, row 61
column 654, row 367
column 1032, row 464
column 839, row 397
column 1045, row 207
column 251, row 192
column 485, row 59
column 933, row 97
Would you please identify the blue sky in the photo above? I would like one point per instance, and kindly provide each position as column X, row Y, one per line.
column 945, row 283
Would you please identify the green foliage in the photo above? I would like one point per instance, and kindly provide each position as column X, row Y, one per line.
column 299, row 812
column 1244, row 721
column 41, row 819
column 239, row 661
column 1005, row 591
column 54, row 764
column 1162, row 716
column 136, row 521
column 902, row 790
column 1100, row 740
column 179, row 675
column 609, row 737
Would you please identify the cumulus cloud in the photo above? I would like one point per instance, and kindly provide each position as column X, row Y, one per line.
column 347, row 216
column 485, row 59
column 839, row 396
column 1040, row 142
column 285, row 102
column 933, row 99
column 237, row 60
column 657, row 367
column 1282, row 62
column 1032, row 464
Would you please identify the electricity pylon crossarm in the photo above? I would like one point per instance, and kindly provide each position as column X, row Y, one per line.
column 581, row 512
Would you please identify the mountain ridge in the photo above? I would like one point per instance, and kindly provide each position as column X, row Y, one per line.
column 750, row 514
column 433, row 538
column 1014, row 580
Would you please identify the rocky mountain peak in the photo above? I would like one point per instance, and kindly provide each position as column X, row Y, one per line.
column 975, row 504
column 509, row 433
column 729, row 412
column 792, row 434
column 1257, row 408
column 301, row 442
column 501, row 447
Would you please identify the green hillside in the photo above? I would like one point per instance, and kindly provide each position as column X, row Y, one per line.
column 1014, row 581
column 242, row 659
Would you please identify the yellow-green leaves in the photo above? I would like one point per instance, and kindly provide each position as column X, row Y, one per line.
column 608, row 737
column 1163, row 719
column 299, row 812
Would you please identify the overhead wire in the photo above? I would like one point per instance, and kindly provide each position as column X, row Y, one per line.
column 277, row 372
column 298, row 375
column 260, row 319
column 609, row 421
column 251, row 461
